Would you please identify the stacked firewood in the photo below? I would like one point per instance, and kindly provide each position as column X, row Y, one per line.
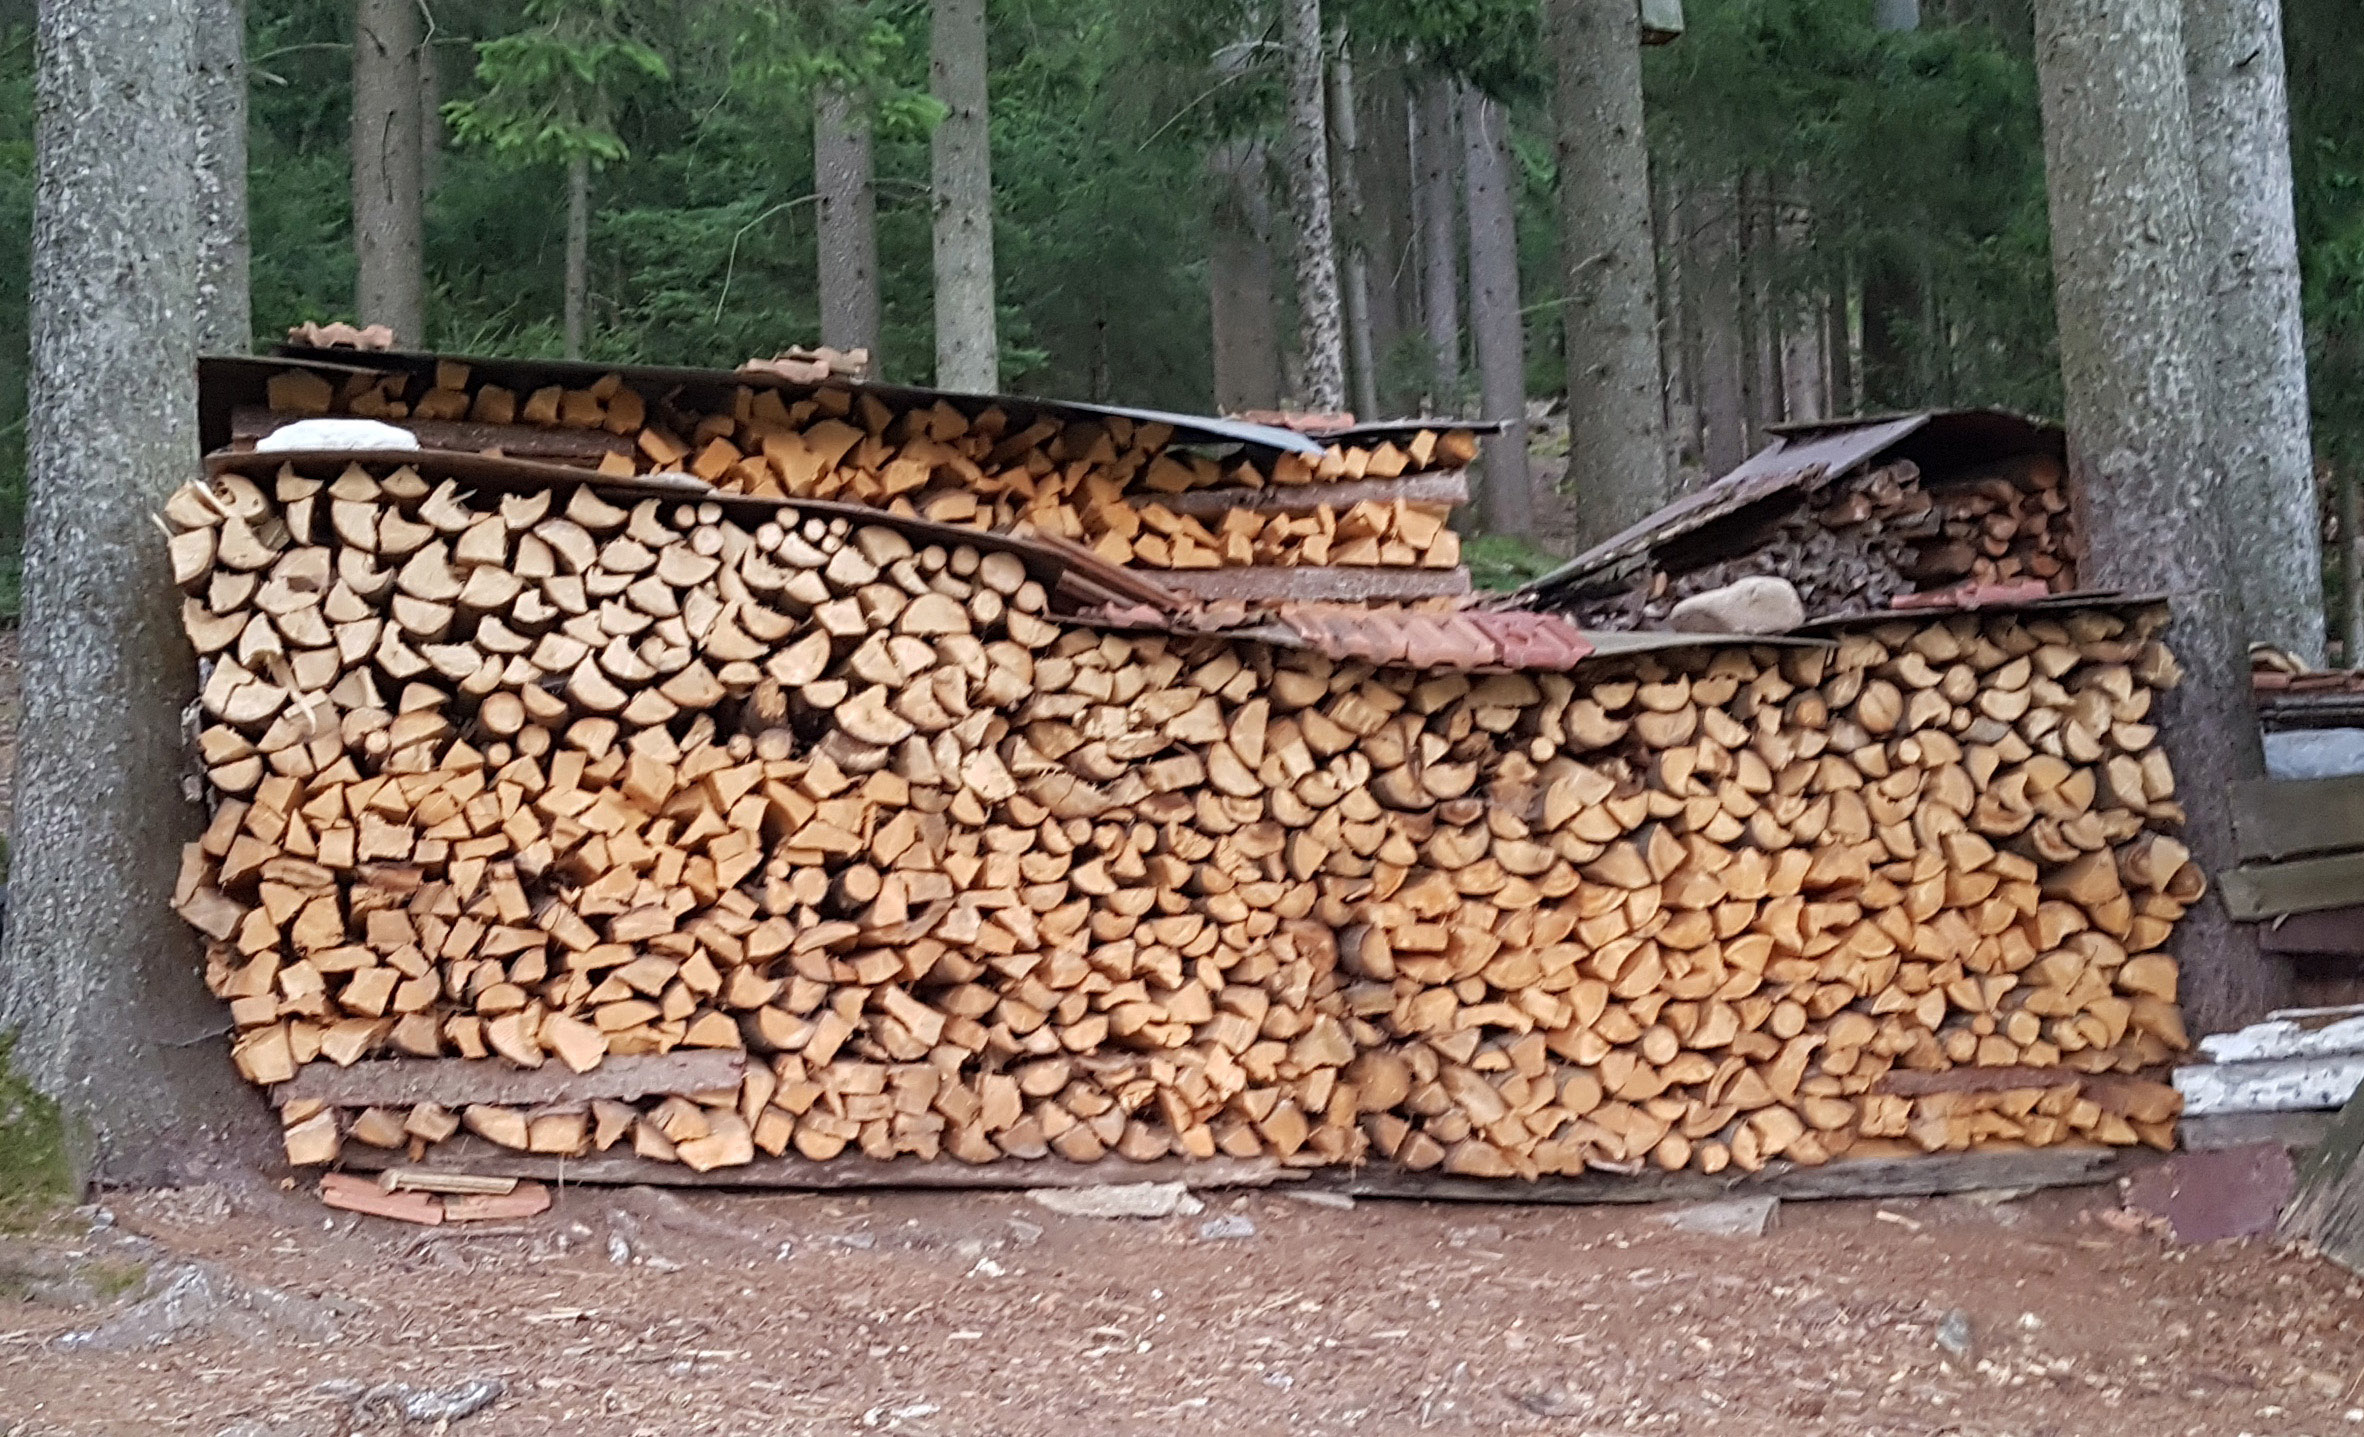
column 563, row 779
column 1857, row 544
column 1095, row 481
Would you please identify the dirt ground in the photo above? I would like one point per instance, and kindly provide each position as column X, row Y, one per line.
column 642, row 1313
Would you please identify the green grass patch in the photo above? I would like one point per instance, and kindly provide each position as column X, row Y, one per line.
column 1504, row 561
column 36, row 1161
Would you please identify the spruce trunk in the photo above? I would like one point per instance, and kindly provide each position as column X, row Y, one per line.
column 2130, row 283
column 1507, row 502
column 1346, row 133
column 99, row 980
column 225, row 320
column 1436, row 155
column 1321, row 320
column 1616, row 399
column 967, row 349
column 1239, row 281
column 578, row 253
column 2241, row 128
column 390, row 284
column 848, row 256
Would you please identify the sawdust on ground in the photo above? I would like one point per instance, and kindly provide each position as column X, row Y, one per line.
column 643, row 1313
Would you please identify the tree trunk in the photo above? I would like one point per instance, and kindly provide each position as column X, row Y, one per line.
column 1386, row 180
column 848, row 260
column 99, row 981
column 225, row 318
column 578, row 253
column 1239, row 281
column 1680, row 412
column 968, row 355
column 431, row 131
column 1616, row 425
column 1838, row 344
column 1320, row 318
column 2130, row 283
column 1436, row 155
column 1346, row 134
column 1714, row 256
column 1896, row 14
column 2351, row 568
column 1805, row 369
column 1507, row 503
column 390, row 283
column 2241, row 127
column 1760, row 381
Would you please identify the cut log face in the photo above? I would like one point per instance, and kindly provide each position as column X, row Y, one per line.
column 959, row 879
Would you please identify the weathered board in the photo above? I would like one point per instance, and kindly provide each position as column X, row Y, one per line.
column 1264, row 583
column 2275, row 1086
column 2276, row 818
column 2329, row 1208
column 456, row 1082
column 1921, row 1175
column 474, row 1155
column 2306, row 885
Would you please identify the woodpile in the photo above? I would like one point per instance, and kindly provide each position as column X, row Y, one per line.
column 1857, row 544
column 1106, row 481
column 558, row 779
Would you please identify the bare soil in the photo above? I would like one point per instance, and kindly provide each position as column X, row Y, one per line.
column 641, row 1313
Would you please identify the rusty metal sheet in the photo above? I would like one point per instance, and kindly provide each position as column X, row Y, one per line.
column 1789, row 463
column 1274, row 584
column 239, row 379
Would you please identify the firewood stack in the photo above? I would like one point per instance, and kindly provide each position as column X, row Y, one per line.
column 557, row 778
column 1856, row 544
column 1106, row 481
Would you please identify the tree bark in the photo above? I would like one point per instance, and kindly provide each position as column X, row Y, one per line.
column 1386, row 179
column 2351, row 568
column 1320, row 307
column 578, row 253
column 1346, row 135
column 390, row 283
column 99, row 980
column 1680, row 412
column 848, row 259
column 2241, row 127
column 225, row 319
column 1616, row 418
column 2131, row 286
column 431, row 132
column 1435, row 157
column 1507, row 503
column 1714, row 257
column 1239, row 281
column 1805, row 368
column 968, row 356
column 1759, row 325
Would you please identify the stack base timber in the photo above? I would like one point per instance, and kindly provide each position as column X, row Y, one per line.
column 1925, row 1175
column 466, row 1154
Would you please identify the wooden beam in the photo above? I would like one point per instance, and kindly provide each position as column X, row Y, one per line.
column 2278, row 1085
column 2306, row 885
column 456, row 1082
column 2275, row 818
column 2328, row 1209
column 1268, row 584
column 471, row 1154
column 1449, row 487
column 2331, row 930
column 1921, row 1175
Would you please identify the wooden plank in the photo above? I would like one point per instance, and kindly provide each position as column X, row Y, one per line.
column 2305, row 885
column 2278, row 1085
column 521, row 441
column 456, row 1082
column 2328, row 1209
column 2068, row 1165
column 471, row 1154
column 1337, row 583
column 2276, row 818
column 2332, row 931
column 2282, row 1037
column 1449, row 487
column 2296, row 1131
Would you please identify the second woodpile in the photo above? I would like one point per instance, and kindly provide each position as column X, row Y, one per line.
column 1856, row 544
column 556, row 778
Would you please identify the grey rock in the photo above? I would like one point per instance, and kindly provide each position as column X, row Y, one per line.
column 1147, row 1200
column 1725, row 1217
column 196, row 1299
column 1230, row 1225
column 1953, row 1332
column 1758, row 604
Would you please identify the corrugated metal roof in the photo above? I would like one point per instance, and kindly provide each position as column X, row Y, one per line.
column 1188, row 428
